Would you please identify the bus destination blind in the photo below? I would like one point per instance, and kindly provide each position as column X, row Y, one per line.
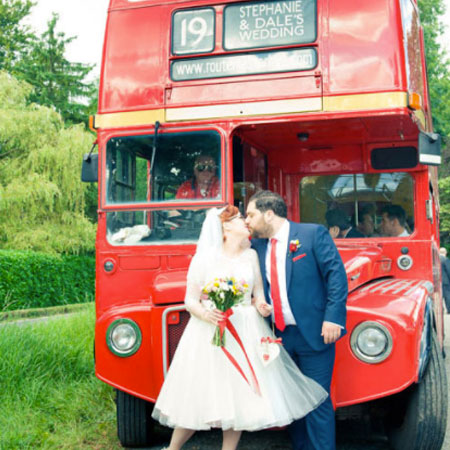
column 246, row 26
column 269, row 24
column 244, row 64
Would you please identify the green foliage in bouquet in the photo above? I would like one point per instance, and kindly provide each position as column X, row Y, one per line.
column 224, row 293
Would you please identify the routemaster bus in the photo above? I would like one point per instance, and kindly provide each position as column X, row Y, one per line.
column 203, row 103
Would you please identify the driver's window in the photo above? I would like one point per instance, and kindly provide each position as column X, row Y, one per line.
column 360, row 205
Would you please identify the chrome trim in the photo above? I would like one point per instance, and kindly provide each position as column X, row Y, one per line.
column 359, row 354
column 429, row 287
column 166, row 312
column 407, row 257
column 109, row 342
column 425, row 352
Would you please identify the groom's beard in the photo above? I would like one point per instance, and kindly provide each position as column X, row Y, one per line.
column 264, row 231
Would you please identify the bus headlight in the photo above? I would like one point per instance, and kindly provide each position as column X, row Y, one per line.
column 124, row 337
column 371, row 342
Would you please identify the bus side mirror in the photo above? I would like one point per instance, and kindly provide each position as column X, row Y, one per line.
column 429, row 148
column 89, row 169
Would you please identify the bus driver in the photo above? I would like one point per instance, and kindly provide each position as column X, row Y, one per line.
column 204, row 184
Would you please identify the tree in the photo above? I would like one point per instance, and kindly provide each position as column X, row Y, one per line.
column 14, row 37
column 438, row 63
column 41, row 195
column 438, row 74
column 58, row 83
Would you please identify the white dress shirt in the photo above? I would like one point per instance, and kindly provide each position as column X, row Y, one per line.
column 282, row 238
column 282, row 245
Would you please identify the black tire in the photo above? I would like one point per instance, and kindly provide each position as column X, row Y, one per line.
column 134, row 421
column 423, row 409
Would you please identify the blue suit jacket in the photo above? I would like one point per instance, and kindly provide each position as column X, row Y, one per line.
column 316, row 280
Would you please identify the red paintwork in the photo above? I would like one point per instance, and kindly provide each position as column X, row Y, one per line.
column 403, row 316
column 360, row 51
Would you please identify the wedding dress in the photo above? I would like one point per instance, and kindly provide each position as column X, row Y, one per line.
column 204, row 390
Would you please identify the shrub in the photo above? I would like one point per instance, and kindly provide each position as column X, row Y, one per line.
column 35, row 280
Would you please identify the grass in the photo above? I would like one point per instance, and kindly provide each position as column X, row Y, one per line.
column 49, row 396
column 43, row 312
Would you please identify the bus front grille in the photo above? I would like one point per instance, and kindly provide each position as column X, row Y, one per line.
column 175, row 320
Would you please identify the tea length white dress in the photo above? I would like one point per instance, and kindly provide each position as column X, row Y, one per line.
column 203, row 389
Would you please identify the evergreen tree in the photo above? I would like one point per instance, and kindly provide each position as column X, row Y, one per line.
column 58, row 83
column 438, row 64
column 438, row 74
column 14, row 36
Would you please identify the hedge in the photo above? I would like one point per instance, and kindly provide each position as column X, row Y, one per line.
column 35, row 280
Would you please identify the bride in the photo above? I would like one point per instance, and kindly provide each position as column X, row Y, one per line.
column 204, row 388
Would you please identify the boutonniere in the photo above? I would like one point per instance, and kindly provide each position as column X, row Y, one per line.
column 294, row 245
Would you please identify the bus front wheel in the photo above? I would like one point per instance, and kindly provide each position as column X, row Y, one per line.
column 134, row 421
column 422, row 409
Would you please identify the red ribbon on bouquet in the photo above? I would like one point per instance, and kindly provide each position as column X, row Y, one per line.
column 225, row 323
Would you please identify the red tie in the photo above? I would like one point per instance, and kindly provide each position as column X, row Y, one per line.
column 275, row 287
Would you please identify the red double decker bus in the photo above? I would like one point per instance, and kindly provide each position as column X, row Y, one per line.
column 203, row 103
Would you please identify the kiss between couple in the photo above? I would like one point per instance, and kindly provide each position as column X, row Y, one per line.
column 253, row 382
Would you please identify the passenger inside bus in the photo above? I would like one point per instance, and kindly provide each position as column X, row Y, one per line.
column 365, row 221
column 380, row 204
column 393, row 221
column 339, row 225
column 204, row 183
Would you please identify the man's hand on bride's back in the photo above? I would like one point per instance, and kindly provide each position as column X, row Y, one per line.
column 264, row 308
column 213, row 316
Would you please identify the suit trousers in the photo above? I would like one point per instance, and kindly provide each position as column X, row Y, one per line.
column 316, row 431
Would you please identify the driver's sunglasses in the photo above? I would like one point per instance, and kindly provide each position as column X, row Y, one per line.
column 205, row 167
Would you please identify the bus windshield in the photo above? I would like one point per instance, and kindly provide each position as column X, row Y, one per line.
column 363, row 201
column 180, row 166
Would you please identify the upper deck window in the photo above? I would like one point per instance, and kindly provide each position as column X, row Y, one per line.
column 185, row 166
column 367, row 205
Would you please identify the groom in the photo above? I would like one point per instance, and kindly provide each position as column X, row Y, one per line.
column 305, row 280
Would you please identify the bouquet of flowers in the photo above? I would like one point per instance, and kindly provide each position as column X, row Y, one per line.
column 224, row 293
